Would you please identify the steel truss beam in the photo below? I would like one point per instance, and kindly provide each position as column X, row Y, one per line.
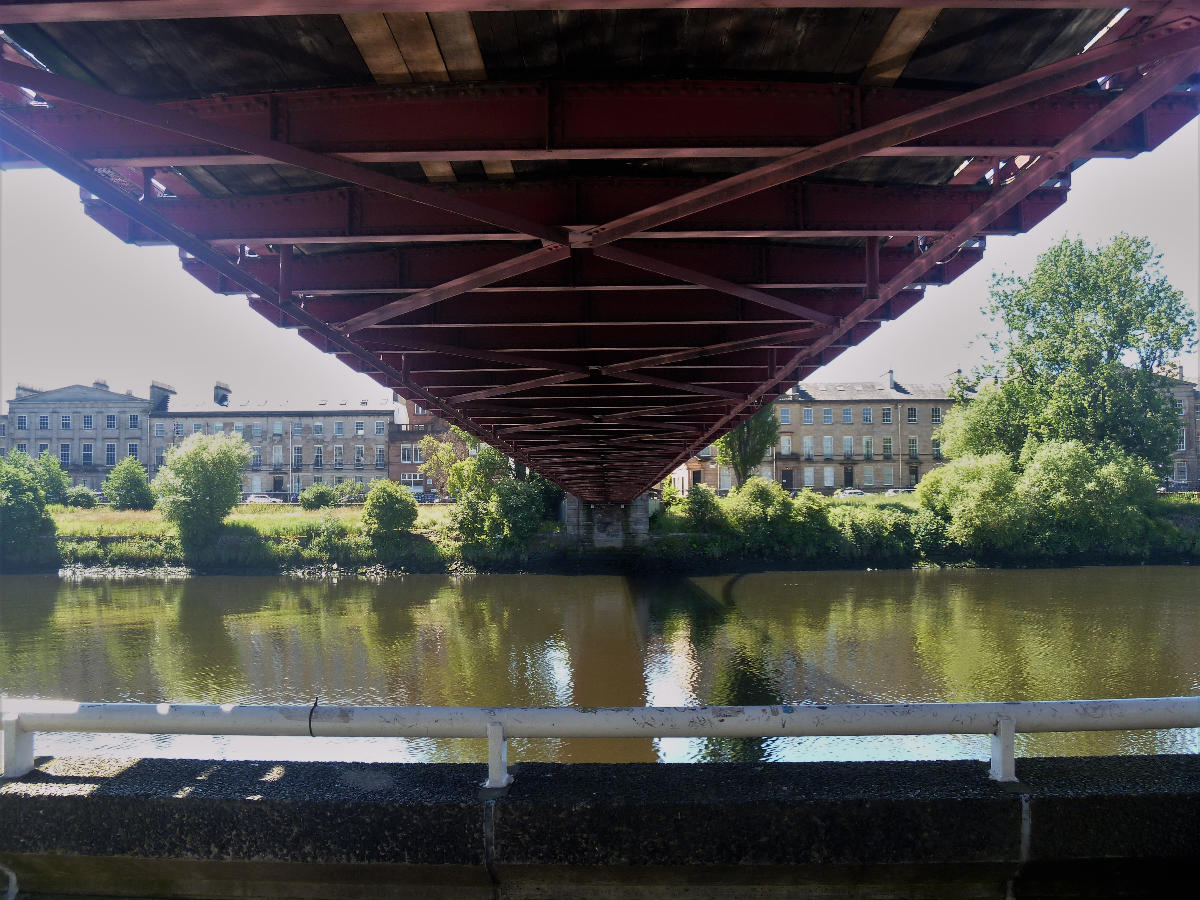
column 582, row 120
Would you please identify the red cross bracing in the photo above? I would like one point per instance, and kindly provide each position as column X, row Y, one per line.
column 597, row 235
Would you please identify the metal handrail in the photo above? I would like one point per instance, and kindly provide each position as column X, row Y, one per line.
column 22, row 718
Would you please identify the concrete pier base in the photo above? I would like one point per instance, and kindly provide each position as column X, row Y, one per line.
column 1070, row 828
column 607, row 526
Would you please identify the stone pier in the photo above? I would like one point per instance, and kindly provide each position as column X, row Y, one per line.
column 613, row 526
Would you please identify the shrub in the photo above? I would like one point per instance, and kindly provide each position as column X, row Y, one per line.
column 388, row 514
column 702, row 511
column 873, row 535
column 762, row 516
column 670, row 494
column 22, row 511
column 976, row 497
column 126, row 486
column 317, row 496
column 200, row 482
column 81, row 496
column 82, row 553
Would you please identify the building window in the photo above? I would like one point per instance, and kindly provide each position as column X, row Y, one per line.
column 276, row 457
column 912, row 448
column 868, row 474
column 317, row 479
column 277, row 428
column 256, row 457
column 239, row 429
column 296, row 484
column 197, row 428
column 339, row 429
column 847, row 415
column 406, row 453
column 935, row 415
column 847, row 448
column 1180, row 407
column 297, row 457
column 131, row 449
column 256, row 429
column 218, row 427
column 828, row 473
column 88, row 423
column 318, row 456
column 22, row 448
column 707, row 452
column 785, row 444
column 380, row 457
column 868, row 448
column 809, row 477
column 135, row 421
column 85, row 454
column 827, row 446
column 110, row 423
column 806, row 444
column 360, row 456
column 318, row 429
column 868, row 414
column 337, row 456
column 159, row 454
column 887, row 476
column 1181, row 475
column 419, row 410
column 64, row 422
column 912, row 415
column 110, row 454
column 1182, row 439
column 785, row 415
column 160, row 430
column 935, row 448
column 297, row 429
column 380, row 427
column 412, row 478
column 885, row 415
column 42, row 448
column 43, row 423
column 22, row 423
column 807, row 415
column 887, row 448
column 417, row 454
column 64, row 454
column 178, row 429
column 359, row 428
column 827, row 416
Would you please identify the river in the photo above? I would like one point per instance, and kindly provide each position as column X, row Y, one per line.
column 532, row 640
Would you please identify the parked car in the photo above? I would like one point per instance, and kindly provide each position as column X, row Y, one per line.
column 896, row 492
column 261, row 498
column 427, row 497
column 850, row 492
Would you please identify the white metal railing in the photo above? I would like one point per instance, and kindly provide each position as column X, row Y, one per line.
column 22, row 718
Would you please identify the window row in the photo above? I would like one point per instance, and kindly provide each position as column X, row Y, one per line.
column 256, row 429
column 886, row 447
column 867, row 415
column 87, row 422
column 87, row 452
column 828, row 473
column 359, row 459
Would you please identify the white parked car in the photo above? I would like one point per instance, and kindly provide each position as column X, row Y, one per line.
column 896, row 492
column 262, row 498
column 850, row 492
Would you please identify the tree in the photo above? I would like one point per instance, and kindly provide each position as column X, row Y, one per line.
column 22, row 509
column 1082, row 340
column 743, row 448
column 127, row 487
column 316, row 496
column 388, row 514
column 200, row 482
column 439, row 457
column 53, row 480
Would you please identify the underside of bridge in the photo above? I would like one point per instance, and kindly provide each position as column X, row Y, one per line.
column 597, row 235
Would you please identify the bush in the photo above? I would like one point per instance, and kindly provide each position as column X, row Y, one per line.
column 388, row 515
column 200, row 482
column 318, row 496
column 873, row 535
column 761, row 514
column 80, row 496
column 82, row 553
column 976, row 497
column 670, row 494
column 127, row 487
column 22, row 511
column 702, row 512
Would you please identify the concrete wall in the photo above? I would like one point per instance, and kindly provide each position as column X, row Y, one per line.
column 607, row 525
column 188, row 828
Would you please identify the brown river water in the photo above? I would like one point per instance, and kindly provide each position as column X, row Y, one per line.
column 533, row 640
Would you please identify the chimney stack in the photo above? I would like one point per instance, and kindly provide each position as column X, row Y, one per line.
column 891, row 379
column 100, row 383
column 25, row 390
column 221, row 392
column 160, row 396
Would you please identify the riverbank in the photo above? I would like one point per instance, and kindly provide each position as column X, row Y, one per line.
column 852, row 533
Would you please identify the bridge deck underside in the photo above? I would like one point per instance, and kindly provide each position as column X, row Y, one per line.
column 596, row 239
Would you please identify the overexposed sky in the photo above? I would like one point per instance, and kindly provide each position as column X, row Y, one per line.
column 76, row 304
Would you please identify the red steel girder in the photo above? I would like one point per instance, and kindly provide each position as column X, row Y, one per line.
column 800, row 210
column 494, row 120
column 769, row 266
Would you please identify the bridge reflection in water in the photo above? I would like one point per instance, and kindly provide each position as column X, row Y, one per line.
column 606, row 641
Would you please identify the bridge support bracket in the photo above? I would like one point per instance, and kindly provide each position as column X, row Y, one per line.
column 498, row 776
column 16, row 747
column 1003, row 766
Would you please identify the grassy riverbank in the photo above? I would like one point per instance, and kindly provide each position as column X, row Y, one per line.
column 734, row 534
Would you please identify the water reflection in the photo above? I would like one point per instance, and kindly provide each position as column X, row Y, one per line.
column 610, row 641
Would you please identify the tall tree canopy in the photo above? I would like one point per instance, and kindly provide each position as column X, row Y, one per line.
column 743, row 448
column 1082, row 340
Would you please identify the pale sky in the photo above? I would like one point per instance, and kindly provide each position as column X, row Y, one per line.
column 76, row 304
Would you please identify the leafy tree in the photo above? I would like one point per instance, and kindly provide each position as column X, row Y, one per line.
column 81, row 496
column 388, row 515
column 439, row 458
column 53, row 479
column 316, row 496
column 22, row 509
column 478, row 475
column 743, row 448
column 350, row 491
column 127, row 487
column 201, row 481
column 1082, row 340
column 976, row 498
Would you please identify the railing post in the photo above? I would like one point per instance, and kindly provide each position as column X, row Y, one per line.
column 16, row 747
column 498, row 776
column 1003, row 751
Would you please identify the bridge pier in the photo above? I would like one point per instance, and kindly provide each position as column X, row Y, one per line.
column 607, row 526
